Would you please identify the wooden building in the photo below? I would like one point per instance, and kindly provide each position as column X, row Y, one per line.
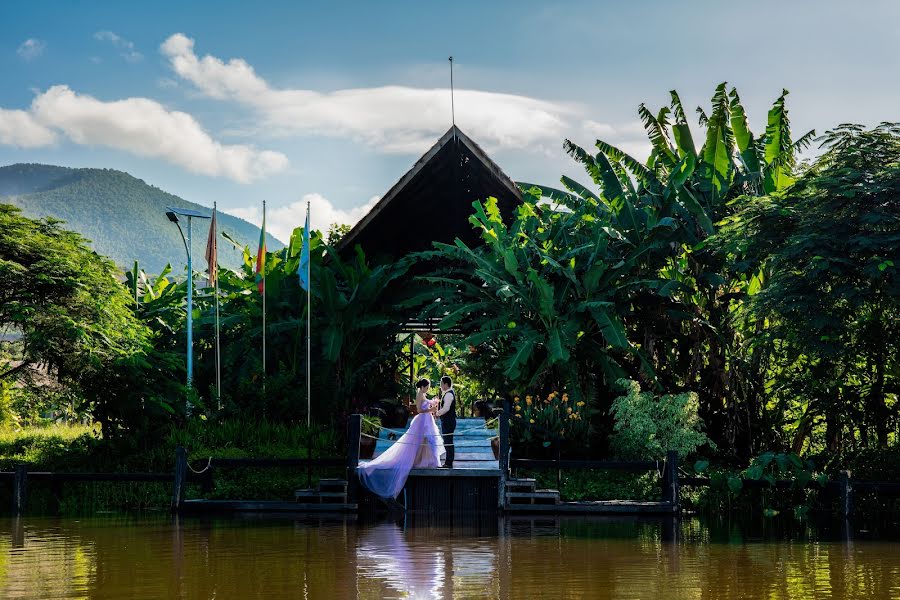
column 433, row 201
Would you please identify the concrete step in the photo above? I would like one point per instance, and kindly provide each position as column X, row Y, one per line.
column 333, row 485
column 460, row 445
column 315, row 496
column 475, row 455
column 484, row 437
column 520, row 485
column 536, row 497
column 463, row 427
column 475, row 464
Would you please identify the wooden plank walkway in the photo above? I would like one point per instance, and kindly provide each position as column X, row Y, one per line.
column 472, row 441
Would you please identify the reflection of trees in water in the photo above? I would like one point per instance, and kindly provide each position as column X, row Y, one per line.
column 521, row 558
column 38, row 559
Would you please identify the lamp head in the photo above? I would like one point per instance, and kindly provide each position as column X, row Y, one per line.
column 172, row 216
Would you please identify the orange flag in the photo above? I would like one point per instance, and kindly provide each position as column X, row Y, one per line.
column 212, row 252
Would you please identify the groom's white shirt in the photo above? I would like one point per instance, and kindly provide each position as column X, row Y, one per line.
column 445, row 406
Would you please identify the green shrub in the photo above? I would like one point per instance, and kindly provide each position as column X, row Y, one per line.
column 585, row 484
column 876, row 464
column 647, row 426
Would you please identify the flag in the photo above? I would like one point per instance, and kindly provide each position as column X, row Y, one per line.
column 212, row 252
column 303, row 269
column 261, row 256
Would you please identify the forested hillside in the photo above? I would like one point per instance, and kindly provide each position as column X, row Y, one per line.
column 124, row 217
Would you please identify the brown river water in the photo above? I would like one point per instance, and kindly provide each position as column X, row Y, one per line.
column 489, row 557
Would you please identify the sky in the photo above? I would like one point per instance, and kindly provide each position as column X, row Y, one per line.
column 332, row 102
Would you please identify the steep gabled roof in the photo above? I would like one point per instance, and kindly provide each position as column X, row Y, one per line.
column 433, row 201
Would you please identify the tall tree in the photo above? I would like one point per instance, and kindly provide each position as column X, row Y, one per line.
column 682, row 323
column 76, row 323
column 828, row 248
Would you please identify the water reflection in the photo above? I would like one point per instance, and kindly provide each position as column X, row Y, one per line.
column 382, row 554
column 433, row 557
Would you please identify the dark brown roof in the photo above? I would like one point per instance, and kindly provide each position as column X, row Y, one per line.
column 433, row 201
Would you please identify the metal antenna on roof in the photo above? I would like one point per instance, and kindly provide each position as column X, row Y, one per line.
column 452, row 107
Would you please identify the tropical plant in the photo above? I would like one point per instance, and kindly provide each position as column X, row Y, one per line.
column 555, row 421
column 647, row 426
column 361, row 309
column 680, row 318
column 544, row 298
column 357, row 309
column 775, row 469
column 827, row 249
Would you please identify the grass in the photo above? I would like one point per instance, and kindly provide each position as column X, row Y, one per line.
column 73, row 448
column 45, row 445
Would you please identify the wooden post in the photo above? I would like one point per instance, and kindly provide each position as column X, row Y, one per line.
column 180, row 476
column 55, row 495
column 309, row 455
column 20, row 489
column 503, row 457
column 354, row 430
column 846, row 495
column 670, row 480
column 206, row 484
column 558, row 470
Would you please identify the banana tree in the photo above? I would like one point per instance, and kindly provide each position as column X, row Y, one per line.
column 546, row 299
column 359, row 308
column 682, row 322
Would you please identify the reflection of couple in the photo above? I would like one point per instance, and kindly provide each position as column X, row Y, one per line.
column 418, row 572
column 421, row 447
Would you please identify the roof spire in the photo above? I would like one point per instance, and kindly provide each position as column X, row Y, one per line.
column 452, row 107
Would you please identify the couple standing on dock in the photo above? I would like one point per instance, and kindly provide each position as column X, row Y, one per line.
column 421, row 447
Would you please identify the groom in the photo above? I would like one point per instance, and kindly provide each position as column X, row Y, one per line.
column 447, row 414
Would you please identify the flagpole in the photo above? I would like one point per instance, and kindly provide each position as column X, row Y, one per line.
column 218, row 345
column 264, row 307
column 308, row 330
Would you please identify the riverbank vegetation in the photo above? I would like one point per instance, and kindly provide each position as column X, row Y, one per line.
column 722, row 298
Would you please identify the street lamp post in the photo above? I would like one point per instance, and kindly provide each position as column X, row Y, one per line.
column 173, row 213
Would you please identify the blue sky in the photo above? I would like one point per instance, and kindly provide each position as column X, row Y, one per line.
column 334, row 101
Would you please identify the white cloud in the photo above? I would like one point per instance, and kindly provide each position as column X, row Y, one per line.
column 630, row 138
column 137, row 125
column 31, row 49
column 20, row 128
column 390, row 118
column 146, row 128
column 282, row 221
column 128, row 51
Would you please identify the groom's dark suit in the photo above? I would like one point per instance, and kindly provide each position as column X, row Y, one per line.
column 448, row 426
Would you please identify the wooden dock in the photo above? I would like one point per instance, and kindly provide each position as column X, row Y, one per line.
column 598, row 507
column 472, row 440
column 474, row 483
column 479, row 481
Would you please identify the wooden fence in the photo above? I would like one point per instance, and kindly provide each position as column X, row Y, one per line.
column 845, row 487
column 668, row 470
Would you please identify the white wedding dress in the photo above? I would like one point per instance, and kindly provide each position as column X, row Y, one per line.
column 421, row 447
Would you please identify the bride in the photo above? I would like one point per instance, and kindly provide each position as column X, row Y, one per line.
column 421, row 447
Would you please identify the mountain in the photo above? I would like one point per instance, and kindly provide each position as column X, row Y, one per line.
column 123, row 217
